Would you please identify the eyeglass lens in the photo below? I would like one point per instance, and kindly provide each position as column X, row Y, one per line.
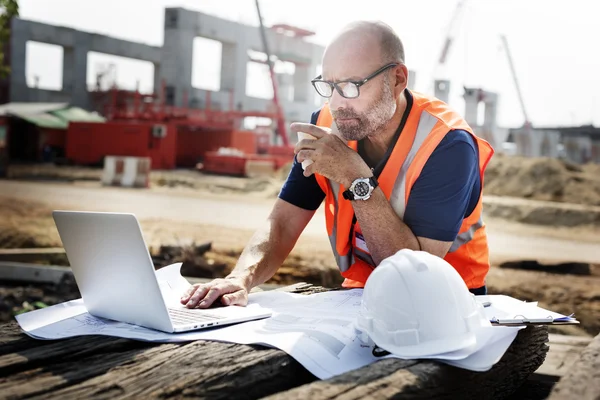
column 348, row 89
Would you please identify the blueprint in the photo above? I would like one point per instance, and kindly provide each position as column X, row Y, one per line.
column 317, row 330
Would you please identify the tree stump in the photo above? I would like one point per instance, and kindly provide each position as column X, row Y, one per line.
column 582, row 382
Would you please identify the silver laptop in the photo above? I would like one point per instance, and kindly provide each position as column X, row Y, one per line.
column 116, row 277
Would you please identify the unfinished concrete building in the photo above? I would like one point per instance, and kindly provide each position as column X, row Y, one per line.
column 536, row 142
column 579, row 144
column 76, row 46
column 173, row 62
column 487, row 127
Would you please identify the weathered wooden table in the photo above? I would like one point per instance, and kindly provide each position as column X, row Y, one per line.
column 106, row 368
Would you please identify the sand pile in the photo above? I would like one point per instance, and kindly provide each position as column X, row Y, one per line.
column 543, row 179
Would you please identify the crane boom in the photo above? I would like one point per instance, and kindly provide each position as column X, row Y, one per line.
column 449, row 37
column 280, row 117
column 515, row 80
column 440, row 62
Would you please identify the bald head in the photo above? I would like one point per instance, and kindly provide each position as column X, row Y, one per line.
column 371, row 36
column 365, row 49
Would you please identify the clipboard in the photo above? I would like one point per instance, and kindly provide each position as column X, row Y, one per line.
column 518, row 320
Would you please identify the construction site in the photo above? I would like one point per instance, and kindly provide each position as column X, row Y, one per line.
column 201, row 170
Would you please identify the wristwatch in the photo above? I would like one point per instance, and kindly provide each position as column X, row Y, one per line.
column 361, row 189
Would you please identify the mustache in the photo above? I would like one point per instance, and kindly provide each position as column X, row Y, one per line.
column 344, row 113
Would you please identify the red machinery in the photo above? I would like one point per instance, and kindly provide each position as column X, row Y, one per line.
column 144, row 125
column 280, row 117
column 119, row 104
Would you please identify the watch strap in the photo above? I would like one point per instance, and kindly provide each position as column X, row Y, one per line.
column 349, row 195
column 373, row 182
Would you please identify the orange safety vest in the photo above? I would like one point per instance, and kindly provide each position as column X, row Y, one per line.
column 428, row 122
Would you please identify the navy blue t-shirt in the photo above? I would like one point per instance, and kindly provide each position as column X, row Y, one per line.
column 446, row 191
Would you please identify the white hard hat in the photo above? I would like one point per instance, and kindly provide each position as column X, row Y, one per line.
column 415, row 304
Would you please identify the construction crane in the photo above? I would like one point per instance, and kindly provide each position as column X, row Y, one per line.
column 449, row 33
column 527, row 124
column 449, row 38
column 279, row 111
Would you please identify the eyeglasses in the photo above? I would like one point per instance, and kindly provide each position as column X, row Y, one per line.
column 348, row 88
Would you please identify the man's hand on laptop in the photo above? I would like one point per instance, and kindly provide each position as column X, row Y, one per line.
column 230, row 291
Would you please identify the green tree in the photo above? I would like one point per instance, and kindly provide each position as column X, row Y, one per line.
column 8, row 9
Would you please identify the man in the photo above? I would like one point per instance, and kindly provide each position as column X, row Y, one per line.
column 401, row 171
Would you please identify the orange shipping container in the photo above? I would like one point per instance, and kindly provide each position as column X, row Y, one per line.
column 88, row 143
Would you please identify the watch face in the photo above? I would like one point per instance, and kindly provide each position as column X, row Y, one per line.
column 361, row 189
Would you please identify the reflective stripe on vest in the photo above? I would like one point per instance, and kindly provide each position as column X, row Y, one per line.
column 466, row 237
column 398, row 196
column 343, row 261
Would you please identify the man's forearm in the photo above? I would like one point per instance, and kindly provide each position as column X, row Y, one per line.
column 384, row 231
column 263, row 255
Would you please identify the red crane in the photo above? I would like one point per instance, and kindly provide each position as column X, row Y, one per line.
column 281, row 129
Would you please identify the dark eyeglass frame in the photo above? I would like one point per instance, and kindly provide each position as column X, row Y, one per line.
column 358, row 83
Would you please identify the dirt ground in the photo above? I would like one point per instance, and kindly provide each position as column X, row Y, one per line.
column 521, row 177
column 565, row 194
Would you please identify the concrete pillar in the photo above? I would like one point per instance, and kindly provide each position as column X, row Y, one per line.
column 18, row 44
column 491, row 111
column 523, row 142
column 287, row 90
column 536, row 143
column 176, row 64
column 549, row 143
column 157, row 78
column 412, row 79
column 442, row 90
column 68, row 72
column 537, row 139
column 234, row 57
column 75, row 69
column 176, row 55
column 578, row 149
column 302, row 86
column 596, row 151
column 471, row 97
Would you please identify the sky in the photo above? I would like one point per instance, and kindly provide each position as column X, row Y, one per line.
column 552, row 43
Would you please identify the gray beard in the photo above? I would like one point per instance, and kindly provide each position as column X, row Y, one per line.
column 371, row 121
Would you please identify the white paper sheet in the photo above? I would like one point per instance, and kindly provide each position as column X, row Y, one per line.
column 316, row 330
column 485, row 358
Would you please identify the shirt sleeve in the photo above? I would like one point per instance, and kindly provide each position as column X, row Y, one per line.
column 299, row 190
column 447, row 190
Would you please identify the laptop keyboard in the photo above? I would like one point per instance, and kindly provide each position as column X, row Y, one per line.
column 181, row 316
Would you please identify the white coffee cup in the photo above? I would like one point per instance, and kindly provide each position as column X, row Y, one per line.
column 305, row 136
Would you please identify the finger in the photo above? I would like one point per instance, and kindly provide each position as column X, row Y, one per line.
column 309, row 144
column 308, row 171
column 211, row 296
column 304, row 155
column 316, row 131
column 188, row 293
column 197, row 297
column 239, row 298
